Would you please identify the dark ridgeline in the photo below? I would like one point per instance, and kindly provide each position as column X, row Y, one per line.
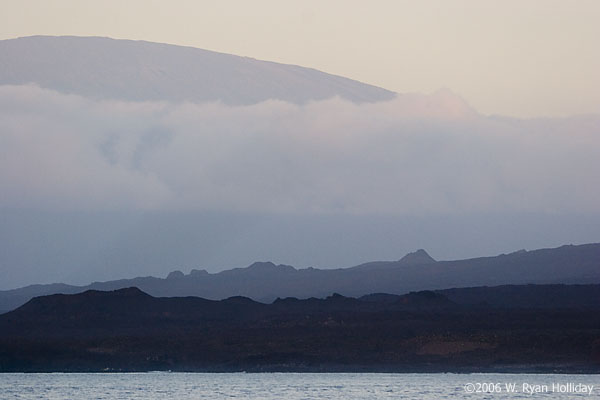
column 529, row 328
column 265, row 281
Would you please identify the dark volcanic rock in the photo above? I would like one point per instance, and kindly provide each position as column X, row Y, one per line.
column 422, row 331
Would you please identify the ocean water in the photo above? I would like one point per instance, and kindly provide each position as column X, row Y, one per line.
column 290, row 386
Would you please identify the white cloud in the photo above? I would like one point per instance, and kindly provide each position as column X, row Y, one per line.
column 413, row 155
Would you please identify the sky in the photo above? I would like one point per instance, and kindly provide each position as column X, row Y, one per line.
column 508, row 158
column 106, row 189
column 412, row 155
column 522, row 58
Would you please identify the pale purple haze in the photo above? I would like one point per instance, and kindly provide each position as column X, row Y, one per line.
column 96, row 189
column 97, row 184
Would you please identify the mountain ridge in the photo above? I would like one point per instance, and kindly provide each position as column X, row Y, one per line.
column 106, row 68
column 265, row 281
column 425, row 331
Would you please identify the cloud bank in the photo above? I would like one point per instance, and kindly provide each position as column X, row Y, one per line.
column 414, row 155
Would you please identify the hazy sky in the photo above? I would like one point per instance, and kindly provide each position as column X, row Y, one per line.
column 519, row 58
column 414, row 155
column 102, row 188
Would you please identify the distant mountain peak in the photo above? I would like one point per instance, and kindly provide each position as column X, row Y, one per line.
column 452, row 103
column 197, row 273
column 175, row 275
column 269, row 266
column 262, row 264
column 417, row 257
column 117, row 69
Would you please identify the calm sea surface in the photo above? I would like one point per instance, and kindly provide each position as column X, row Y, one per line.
column 288, row 386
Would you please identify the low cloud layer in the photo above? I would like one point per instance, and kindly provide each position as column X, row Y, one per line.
column 414, row 155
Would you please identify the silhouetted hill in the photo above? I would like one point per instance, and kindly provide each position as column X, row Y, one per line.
column 511, row 296
column 528, row 296
column 130, row 330
column 265, row 281
column 419, row 257
column 104, row 68
column 130, row 308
